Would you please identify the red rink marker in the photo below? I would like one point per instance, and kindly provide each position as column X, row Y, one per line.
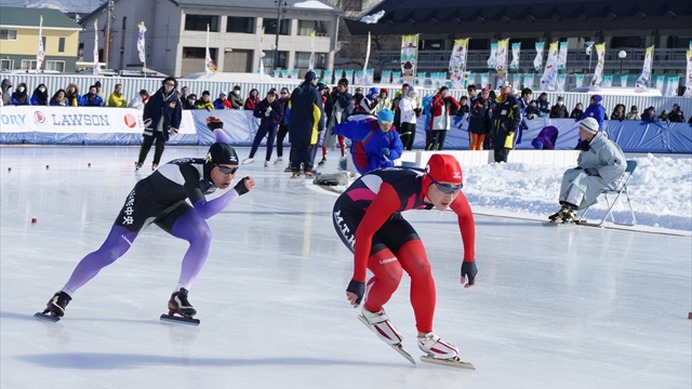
column 689, row 316
column 89, row 164
column 34, row 220
column 47, row 167
column 9, row 169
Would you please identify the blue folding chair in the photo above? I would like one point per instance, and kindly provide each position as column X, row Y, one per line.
column 618, row 192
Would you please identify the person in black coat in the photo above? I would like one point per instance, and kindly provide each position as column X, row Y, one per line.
column 306, row 120
column 559, row 111
column 161, row 117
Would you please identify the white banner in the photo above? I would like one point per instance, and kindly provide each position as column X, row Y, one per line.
column 644, row 79
column 516, row 49
column 40, row 53
column 141, row 47
column 672, row 83
column 549, row 79
column 562, row 56
column 457, row 62
column 688, row 83
column 597, row 79
column 493, row 56
column 97, row 66
column 579, row 80
column 67, row 120
column 538, row 61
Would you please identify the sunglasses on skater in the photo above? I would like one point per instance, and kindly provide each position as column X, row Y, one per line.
column 227, row 170
column 446, row 188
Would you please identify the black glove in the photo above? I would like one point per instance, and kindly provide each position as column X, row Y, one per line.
column 357, row 288
column 240, row 186
column 468, row 269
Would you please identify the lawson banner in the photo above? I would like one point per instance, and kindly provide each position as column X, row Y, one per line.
column 123, row 126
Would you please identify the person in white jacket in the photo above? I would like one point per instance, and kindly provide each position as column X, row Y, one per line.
column 409, row 109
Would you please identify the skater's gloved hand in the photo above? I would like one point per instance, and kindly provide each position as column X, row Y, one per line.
column 173, row 131
column 355, row 292
column 385, row 151
column 468, row 269
column 245, row 185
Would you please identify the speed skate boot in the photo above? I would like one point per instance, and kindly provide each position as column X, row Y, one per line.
column 179, row 304
column 380, row 325
column 569, row 216
column 435, row 347
column 558, row 216
column 56, row 305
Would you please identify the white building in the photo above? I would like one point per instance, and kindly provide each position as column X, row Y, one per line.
column 176, row 36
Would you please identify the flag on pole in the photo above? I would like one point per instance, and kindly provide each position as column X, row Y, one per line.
column 364, row 76
column 644, row 79
column 493, row 55
column 457, row 62
column 409, row 56
column 549, row 79
column 589, row 46
column 39, row 54
column 97, row 66
column 261, row 50
column 600, row 64
column 562, row 56
column 209, row 67
column 516, row 49
column 312, row 51
column 688, row 83
column 141, row 47
column 501, row 60
column 538, row 61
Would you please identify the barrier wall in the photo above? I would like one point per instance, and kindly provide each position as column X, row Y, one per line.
column 123, row 126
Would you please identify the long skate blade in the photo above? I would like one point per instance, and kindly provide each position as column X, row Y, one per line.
column 456, row 362
column 178, row 319
column 397, row 347
column 46, row 317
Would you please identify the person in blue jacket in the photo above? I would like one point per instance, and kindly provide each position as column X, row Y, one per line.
column 596, row 111
column 375, row 144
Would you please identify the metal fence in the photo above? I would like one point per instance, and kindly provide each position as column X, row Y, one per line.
column 132, row 86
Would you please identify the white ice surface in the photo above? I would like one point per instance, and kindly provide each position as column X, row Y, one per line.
column 555, row 307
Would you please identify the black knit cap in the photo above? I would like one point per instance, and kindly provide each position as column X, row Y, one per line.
column 222, row 154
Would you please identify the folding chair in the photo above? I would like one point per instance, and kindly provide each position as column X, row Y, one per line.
column 619, row 191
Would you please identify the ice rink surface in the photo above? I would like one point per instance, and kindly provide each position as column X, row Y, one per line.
column 555, row 307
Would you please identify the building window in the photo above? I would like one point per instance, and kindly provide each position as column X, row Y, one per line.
column 303, row 60
column 268, row 59
column 270, row 26
column 6, row 64
column 306, row 27
column 200, row 22
column 28, row 64
column 199, row 52
column 432, row 44
column 61, row 45
column 8, row 35
column 241, row 25
column 55, row 65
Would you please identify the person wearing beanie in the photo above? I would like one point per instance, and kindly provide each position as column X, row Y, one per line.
column 376, row 143
column 442, row 107
column 270, row 112
column 162, row 116
column 506, row 120
column 173, row 198
column 368, row 217
column 305, row 121
column 600, row 165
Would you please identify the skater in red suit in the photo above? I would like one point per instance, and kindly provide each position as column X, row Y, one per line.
column 368, row 219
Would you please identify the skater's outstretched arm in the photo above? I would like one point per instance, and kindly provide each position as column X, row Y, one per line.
column 467, row 227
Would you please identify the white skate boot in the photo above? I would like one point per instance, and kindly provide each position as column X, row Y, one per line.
column 435, row 347
column 380, row 325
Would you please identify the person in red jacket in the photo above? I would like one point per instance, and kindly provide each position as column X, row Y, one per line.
column 368, row 219
column 442, row 107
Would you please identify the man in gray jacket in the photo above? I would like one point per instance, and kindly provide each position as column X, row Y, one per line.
column 601, row 164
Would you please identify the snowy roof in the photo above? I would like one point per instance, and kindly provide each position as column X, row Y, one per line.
column 309, row 5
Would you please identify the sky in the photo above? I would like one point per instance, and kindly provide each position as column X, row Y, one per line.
column 550, row 304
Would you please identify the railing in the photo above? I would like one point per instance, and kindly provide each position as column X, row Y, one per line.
column 664, row 61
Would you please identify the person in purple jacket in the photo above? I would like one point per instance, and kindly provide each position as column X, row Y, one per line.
column 375, row 144
column 546, row 139
column 162, row 199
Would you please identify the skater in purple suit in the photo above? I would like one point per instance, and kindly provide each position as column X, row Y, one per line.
column 161, row 199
